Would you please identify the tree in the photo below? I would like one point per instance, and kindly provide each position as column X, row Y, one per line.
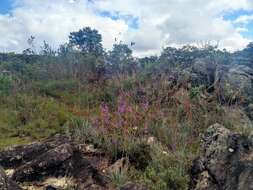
column 121, row 59
column 31, row 50
column 120, row 52
column 245, row 56
column 87, row 40
column 47, row 50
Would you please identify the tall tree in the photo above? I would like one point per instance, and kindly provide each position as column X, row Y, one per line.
column 120, row 52
column 87, row 40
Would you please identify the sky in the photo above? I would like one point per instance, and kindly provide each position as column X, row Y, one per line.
column 151, row 24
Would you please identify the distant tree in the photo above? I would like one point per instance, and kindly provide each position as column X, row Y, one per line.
column 120, row 52
column 245, row 56
column 31, row 49
column 47, row 50
column 87, row 40
column 121, row 59
column 148, row 61
column 64, row 49
column 186, row 55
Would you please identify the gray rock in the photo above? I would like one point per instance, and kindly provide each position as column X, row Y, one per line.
column 49, row 163
column 226, row 162
column 235, row 82
column 6, row 183
column 16, row 156
column 204, row 69
column 249, row 110
column 55, row 158
column 133, row 186
column 202, row 72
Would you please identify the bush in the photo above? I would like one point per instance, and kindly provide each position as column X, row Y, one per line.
column 166, row 171
column 5, row 84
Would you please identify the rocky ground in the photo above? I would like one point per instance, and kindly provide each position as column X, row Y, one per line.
column 56, row 163
column 226, row 163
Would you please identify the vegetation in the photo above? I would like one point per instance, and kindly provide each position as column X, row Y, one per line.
column 113, row 100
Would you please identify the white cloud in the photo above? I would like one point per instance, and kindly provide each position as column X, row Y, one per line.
column 161, row 23
column 53, row 21
column 245, row 19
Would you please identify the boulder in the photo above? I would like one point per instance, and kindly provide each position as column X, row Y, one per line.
column 53, row 160
column 235, row 82
column 202, row 73
column 226, row 161
column 121, row 165
column 249, row 111
column 6, row 183
column 15, row 156
column 49, row 163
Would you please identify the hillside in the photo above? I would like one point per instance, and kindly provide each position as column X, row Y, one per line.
column 83, row 104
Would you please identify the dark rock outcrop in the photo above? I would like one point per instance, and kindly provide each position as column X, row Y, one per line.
column 56, row 157
column 14, row 157
column 53, row 162
column 226, row 162
column 235, row 82
column 203, row 72
column 232, row 82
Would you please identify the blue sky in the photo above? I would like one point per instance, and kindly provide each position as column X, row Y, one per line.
column 5, row 6
column 149, row 24
column 132, row 21
column 249, row 26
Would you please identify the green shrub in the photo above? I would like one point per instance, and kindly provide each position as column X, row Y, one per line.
column 56, row 88
column 81, row 130
column 5, row 84
column 194, row 92
column 166, row 171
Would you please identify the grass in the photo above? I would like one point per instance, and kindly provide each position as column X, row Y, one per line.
column 13, row 141
column 119, row 118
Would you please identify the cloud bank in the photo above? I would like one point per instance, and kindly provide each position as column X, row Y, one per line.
column 151, row 24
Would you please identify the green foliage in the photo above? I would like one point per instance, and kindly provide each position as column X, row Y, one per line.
column 81, row 130
column 5, row 84
column 57, row 88
column 194, row 92
column 87, row 40
column 119, row 178
column 166, row 171
column 120, row 58
column 31, row 116
column 65, row 91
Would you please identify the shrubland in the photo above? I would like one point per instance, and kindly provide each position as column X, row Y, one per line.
column 144, row 109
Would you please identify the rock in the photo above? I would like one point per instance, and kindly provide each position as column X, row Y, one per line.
column 236, row 116
column 133, row 186
column 16, row 156
column 50, row 188
column 9, row 172
column 151, row 141
column 235, row 82
column 249, row 111
column 201, row 73
column 119, row 166
column 6, row 183
column 49, row 163
column 53, row 160
column 226, row 161
column 204, row 70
